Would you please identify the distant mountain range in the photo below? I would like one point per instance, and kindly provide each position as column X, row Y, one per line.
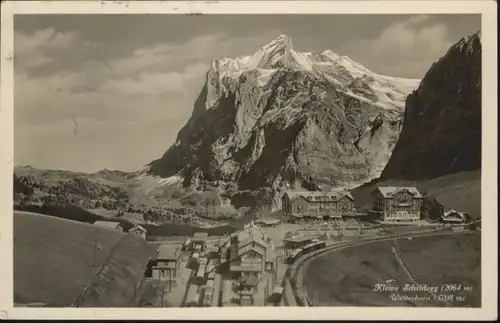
column 282, row 119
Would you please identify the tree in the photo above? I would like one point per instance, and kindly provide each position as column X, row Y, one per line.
column 431, row 208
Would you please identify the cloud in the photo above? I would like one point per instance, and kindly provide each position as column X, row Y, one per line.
column 115, row 129
column 120, row 103
column 157, row 83
column 405, row 48
column 165, row 55
column 34, row 50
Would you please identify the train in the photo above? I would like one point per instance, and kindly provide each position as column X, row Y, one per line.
column 201, row 288
column 208, row 294
column 313, row 246
column 209, row 289
column 193, row 296
column 211, row 275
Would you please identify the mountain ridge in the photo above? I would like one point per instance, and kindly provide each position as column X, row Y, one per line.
column 446, row 107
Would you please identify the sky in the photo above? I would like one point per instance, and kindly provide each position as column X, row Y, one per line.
column 112, row 91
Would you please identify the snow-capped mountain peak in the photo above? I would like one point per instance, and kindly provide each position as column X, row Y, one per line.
column 346, row 74
column 280, row 42
column 278, row 53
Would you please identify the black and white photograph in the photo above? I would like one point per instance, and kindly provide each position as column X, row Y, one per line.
column 230, row 159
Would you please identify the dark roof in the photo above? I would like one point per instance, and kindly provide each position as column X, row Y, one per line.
column 298, row 239
column 389, row 191
column 316, row 196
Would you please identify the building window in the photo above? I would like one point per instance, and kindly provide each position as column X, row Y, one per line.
column 405, row 199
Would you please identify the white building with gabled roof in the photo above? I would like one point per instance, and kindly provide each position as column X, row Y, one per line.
column 397, row 204
column 139, row 230
column 454, row 217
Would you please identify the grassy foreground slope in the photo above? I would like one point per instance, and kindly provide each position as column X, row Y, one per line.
column 117, row 279
column 460, row 191
column 446, row 260
column 54, row 258
column 348, row 276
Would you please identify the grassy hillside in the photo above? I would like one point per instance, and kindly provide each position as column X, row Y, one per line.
column 54, row 258
column 348, row 276
column 115, row 283
column 458, row 258
column 460, row 191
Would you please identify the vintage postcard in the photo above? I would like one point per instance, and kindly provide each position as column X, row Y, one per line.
column 249, row 160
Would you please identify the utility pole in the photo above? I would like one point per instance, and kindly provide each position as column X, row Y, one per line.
column 241, row 294
column 163, row 295
column 170, row 280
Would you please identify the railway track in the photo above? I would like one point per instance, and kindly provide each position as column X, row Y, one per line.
column 294, row 273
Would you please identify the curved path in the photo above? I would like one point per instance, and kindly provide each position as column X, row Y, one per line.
column 298, row 297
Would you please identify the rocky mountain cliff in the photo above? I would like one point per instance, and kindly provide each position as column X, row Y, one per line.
column 442, row 121
column 281, row 117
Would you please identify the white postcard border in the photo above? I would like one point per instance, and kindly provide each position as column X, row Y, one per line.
column 489, row 158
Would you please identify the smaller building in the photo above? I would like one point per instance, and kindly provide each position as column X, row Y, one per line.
column 166, row 263
column 139, row 230
column 454, row 217
column 109, row 225
column 267, row 222
column 199, row 241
